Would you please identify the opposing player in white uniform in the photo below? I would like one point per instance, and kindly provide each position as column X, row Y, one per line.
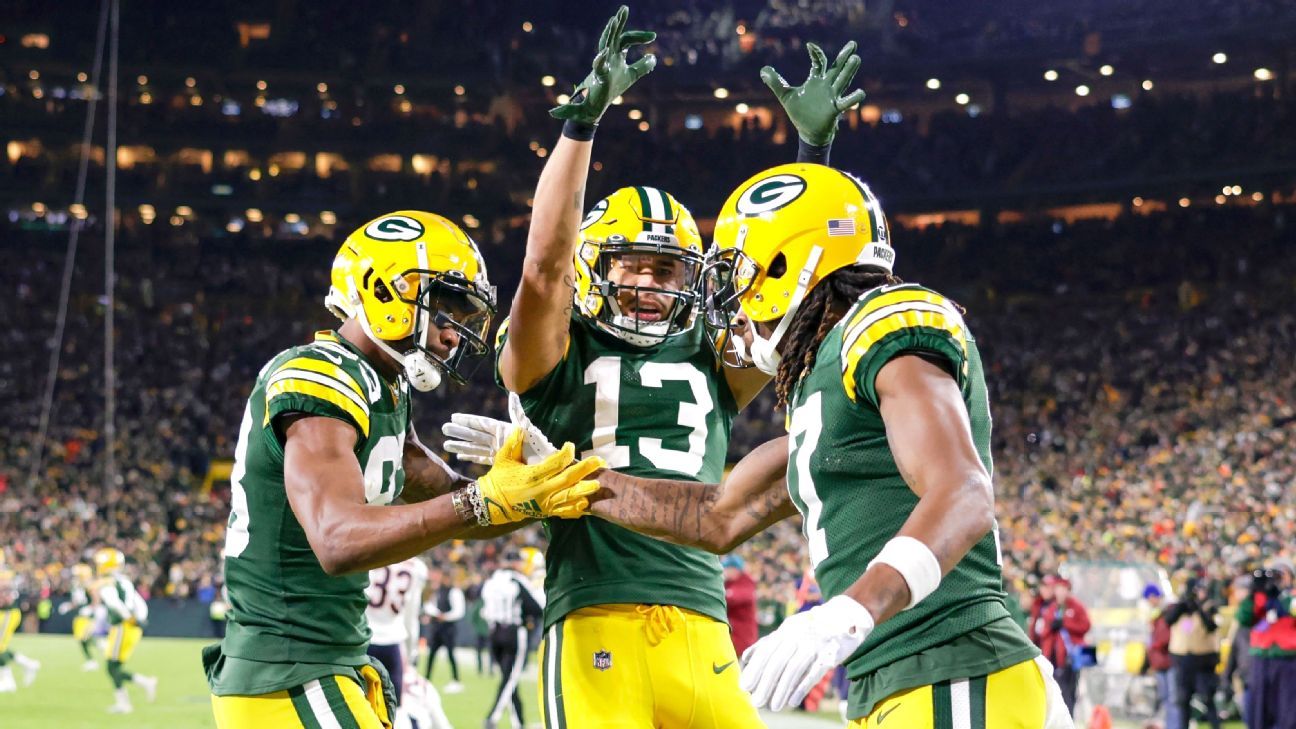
column 395, row 596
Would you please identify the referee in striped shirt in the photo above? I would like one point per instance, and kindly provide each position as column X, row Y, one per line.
column 509, row 605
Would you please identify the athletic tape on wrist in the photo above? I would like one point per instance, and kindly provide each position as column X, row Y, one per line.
column 915, row 563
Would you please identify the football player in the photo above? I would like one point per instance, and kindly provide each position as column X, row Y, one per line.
column 395, row 596
column 636, row 628
column 127, row 615
column 10, row 619
column 83, row 600
column 325, row 442
column 887, row 459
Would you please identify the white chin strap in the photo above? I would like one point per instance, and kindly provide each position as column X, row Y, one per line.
column 422, row 373
column 635, row 332
column 764, row 352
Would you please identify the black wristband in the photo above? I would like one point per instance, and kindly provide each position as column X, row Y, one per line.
column 580, row 131
column 813, row 153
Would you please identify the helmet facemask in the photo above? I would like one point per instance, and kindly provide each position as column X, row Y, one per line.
column 437, row 300
column 670, row 311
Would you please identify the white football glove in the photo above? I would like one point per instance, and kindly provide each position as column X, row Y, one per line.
column 476, row 438
column 781, row 668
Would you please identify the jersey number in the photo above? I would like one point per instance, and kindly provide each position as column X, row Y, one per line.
column 604, row 374
column 803, row 439
column 390, row 590
column 380, row 469
column 236, row 532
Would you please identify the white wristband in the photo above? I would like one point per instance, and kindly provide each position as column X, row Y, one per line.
column 915, row 563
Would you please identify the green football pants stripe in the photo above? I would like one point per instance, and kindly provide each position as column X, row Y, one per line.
column 942, row 709
column 304, row 712
column 977, row 696
column 337, row 703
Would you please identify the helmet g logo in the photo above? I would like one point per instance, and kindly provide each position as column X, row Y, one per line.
column 770, row 194
column 595, row 214
column 394, row 227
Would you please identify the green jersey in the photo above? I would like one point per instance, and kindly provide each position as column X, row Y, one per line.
column 288, row 619
column 659, row 412
column 845, row 482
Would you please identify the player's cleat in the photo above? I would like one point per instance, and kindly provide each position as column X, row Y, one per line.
column 149, row 684
column 7, row 683
column 90, row 665
column 454, row 687
column 122, row 705
column 30, row 667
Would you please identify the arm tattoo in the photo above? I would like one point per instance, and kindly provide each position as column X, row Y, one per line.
column 569, row 280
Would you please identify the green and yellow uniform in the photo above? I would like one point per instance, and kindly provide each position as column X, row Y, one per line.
column 959, row 646
column 126, row 612
column 295, row 644
column 635, row 627
column 10, row 619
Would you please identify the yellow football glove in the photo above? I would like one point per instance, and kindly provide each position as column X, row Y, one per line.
column 512, row 491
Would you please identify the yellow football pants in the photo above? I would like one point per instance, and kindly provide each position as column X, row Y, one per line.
column 122, row 639
column 639, row 667
column 1022, row 696
column 9, row 622
column 331, row 702
column 82, row 625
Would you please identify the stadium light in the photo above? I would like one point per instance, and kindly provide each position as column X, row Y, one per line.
column 618, row 101
column 1138, row 202
column 721, row 93
column 1106, row 69
column 459, row 91
column 471, row 220
column 190, row 82
column 643, row 126
column 742, row 108
column 962, row 99
column 1220, row 57
column 292, row 218
column 34, row 75
column 741, row 29
column 184, row 211
column 1263, row 74
column 1237, row 189
column 1184, row 202
column 39, row 208
column 177, row 221
column 1257, row 196
column 1050, row 75
column 81, row 77
column 321, row 87
column 1147, row 84
column 142, row 80
column 254, row 215
column 78, row 211
column 635, row 114
column 399, row 89
column 1082, row 90
column 328, row 217
column 563, row 98
column 261, row 86
column 1219, row 199
column 527, row 27
column 547, row 80
column 254, row 175
column 933, row 83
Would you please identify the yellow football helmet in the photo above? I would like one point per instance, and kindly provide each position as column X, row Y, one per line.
column 108, row 560
column 405, row 274
column 778, row 235
column 638, row 221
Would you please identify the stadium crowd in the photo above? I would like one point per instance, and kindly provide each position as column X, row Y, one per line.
column 1142, row 400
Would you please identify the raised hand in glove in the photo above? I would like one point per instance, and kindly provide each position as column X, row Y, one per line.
column 555, row 487
column 611, row 76
column 477, row 438
column 815, row 106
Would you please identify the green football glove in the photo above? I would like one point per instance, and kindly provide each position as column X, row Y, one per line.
column 815, row 106
column 610, row 76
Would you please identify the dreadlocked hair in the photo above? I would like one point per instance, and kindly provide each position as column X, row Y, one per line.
column 823, row 307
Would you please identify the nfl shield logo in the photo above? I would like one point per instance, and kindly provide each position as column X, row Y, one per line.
column 602, row 660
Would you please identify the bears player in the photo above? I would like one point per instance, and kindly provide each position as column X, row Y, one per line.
column 10, row 619
column 127, row 614
column 629, row 378
column 325, row 441
column 395, row 596
column 83, row 600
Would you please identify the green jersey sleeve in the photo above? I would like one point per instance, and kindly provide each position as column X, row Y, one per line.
column 310, row 381
column 894, row 320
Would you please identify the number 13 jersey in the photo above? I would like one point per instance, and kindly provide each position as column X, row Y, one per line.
column 659, row 412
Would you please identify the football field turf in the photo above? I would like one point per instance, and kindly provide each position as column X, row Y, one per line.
column 67, row 698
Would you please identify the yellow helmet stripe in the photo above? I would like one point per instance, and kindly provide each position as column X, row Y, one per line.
column 327, row 394
column 324, row 368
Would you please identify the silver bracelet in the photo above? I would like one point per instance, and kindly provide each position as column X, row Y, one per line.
column 473, row 492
